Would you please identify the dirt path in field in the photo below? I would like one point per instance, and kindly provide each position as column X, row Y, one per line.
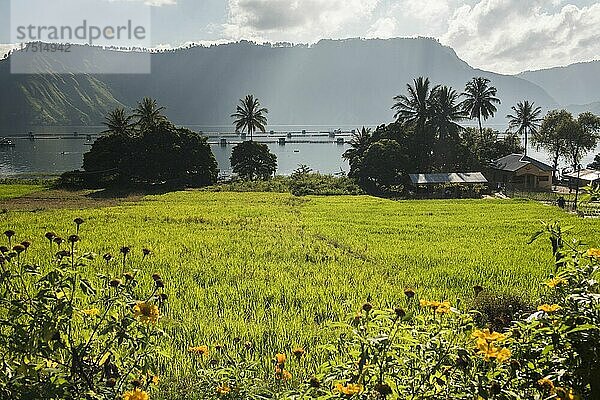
column 64, row 199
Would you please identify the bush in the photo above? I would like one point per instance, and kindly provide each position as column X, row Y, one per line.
column 63, row 336
column 298, row 185
column 499, row 310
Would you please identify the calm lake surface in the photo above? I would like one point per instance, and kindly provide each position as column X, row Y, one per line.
column 57, row 150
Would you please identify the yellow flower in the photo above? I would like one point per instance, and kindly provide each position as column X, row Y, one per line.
column 488, row 336
column 349, row 389
column 593, row 253
column 282, row 374
column 280, row 358
column 223, row 390
column 146, row 312
column 298, row 352
column 503, row 355
column 566, row 394
column 546, row 384
column 92, row 312
column 135, row 394
column 556, row 282
column 201, row 350
column 547, row 308
column 440, row 307
column 155, row 379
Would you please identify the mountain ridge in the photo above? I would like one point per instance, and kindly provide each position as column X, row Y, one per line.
column 345, row 82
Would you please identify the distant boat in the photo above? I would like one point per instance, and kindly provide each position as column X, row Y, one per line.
column 5, row 142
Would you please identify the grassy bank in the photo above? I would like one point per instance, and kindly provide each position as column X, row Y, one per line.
column 274, row 269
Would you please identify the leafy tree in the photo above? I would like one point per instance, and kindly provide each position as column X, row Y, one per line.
column 166, row 153
column 553, row 134
column 480, row 150
column 383, row 165
column 249, row 116
column 148, row 114
column 479, row 101
column 158, row 152
column 251, row 160
column 582, row 140
column 526, row 119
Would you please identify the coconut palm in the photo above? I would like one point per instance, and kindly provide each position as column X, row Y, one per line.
column 479, row 101
column 446, row 111
column 360, row 142
column 117, row 122
column 148, row 114
column 249, row 116
column 414, row 108
column 526, row 119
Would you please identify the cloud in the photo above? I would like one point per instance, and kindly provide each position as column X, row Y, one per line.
column 510, row 36
column 293, row 20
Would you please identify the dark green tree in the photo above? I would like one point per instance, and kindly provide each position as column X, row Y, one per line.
column 525, row 119
column 252, row 160
column 383, row 166
column 415, row 110
column 446, row 113
column 359, row 143
column 158, row 152
column 480, row 100
column 250, row 116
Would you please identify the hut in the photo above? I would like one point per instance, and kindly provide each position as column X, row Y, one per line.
column 455, row 184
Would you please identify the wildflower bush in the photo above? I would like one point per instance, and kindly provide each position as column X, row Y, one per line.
column 63, row 336
column 428, row 349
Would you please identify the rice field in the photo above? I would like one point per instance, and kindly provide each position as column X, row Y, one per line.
column 12, row 191
column 275, row 269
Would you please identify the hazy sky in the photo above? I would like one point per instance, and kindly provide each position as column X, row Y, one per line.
column 505, row 36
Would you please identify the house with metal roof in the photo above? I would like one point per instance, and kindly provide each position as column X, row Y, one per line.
column 585, row 177
column 467, row 178
column 521, row 172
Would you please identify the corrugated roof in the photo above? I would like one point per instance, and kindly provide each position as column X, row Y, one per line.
column 515, row 162
column 587, row 174
column 459, row 177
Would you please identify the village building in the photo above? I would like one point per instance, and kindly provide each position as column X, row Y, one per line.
column 517, row 171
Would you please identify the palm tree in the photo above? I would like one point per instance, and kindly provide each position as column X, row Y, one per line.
column 148, row 114
column 360, row 142
column 446, row 110
column 480, row 100
column 118, row 122
column 414, row 108
column 526, row 119
column 249, row 116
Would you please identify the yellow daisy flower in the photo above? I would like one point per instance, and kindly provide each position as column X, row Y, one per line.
column 146, row 312
column 135, row 394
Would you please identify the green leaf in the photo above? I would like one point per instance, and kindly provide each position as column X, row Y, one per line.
column 87, row 288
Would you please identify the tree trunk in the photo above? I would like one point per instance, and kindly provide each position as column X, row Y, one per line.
column 480, row 126
column 525, row 142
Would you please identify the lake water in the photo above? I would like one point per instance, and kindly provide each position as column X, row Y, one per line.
column 58, row 152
